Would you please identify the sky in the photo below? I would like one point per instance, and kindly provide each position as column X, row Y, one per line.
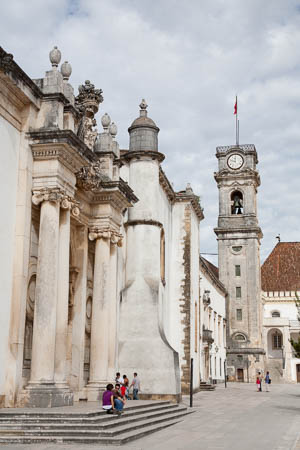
column 188, row 59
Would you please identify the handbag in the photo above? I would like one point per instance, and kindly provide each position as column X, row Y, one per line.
column 269, row 380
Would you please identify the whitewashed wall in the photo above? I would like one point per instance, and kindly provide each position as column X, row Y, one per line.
column 218, row 306
column 9, row 157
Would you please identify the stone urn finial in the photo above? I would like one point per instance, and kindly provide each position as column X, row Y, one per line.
column 189, row 189
column 143, row 108
column 113, row 130
column 66, row 70
column 105, row 120
column 55, row 57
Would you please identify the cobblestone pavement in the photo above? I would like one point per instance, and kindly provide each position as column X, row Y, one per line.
column 236, row 418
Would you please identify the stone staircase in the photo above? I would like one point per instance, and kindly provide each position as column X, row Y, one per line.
column 94, row 427
column 274, row 366
column 207, row 386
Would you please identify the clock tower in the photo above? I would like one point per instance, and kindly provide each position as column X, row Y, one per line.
column 238, row 235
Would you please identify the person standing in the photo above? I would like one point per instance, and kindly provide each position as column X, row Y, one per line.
column 267, row 381
column 136, row 386
column 119, row 379
column 260, row 381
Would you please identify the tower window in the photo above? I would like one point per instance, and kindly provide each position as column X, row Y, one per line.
column 240, row 337
column 236, row 202
column 239, row 314
column 237, row 271
column 275, row 314
column 238, row 292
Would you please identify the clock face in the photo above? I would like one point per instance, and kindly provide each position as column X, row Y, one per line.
column 235, row 161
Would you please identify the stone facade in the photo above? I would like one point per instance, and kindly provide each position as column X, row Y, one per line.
column 239, row 235
column 100, row 265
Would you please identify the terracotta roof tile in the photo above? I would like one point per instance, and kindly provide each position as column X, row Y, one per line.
column 281, row 270
column 211, row 267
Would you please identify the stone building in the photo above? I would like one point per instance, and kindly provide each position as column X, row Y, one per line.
column 280, row 277
column 100, row 256
column 238, row 234
column 213, row 323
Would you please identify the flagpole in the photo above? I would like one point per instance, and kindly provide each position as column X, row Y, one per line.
column 238, row 133
column 236, row 123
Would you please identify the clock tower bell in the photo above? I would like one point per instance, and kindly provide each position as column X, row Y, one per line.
column 238, row 235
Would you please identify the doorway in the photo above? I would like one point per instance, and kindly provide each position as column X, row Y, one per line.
column 298, row 372
column 240, row 374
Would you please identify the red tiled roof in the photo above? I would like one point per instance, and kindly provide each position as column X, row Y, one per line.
column 281, row 270
column 211, row 267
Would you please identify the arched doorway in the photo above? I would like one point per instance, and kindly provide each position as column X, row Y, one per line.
column 275, row 343
column 298, row 372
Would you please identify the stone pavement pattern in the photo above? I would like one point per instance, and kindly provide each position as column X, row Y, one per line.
column 236, row 418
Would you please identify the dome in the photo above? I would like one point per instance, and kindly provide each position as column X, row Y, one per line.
column 143, row 132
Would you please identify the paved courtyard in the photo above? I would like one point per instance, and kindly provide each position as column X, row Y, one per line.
column 236, row 418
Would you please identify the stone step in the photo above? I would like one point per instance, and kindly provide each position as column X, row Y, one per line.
column 109, row 421
column 110, row 432
column 128, row 436
column 58, row 414
column 101, row 416
column 207, row 387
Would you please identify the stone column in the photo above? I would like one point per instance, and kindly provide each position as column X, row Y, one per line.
column 113, row 310
column 41, row 389
column 100, row 315
column 62, row 297
column 43, row 345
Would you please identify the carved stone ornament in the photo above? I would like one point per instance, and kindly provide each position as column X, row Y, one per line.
column 56, row 195
column 87, row 102
column 6, row 61
column 90, row 177
column 106, row 233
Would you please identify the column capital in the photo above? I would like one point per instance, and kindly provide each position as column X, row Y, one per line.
column 113, row 236
column 56, row 195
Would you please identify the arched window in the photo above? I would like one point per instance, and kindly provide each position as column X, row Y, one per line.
column 237, row 205
column 239, row 337
column 277, row 340
column 275, row 314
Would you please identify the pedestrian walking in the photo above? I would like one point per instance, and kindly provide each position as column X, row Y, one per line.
column 267, row 381
column 136, row 386
column 259, row 381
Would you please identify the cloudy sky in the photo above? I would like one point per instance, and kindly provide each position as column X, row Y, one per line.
column 188, row 59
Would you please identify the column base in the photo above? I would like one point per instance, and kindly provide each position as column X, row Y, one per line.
column 46, row 396
column 94, row 390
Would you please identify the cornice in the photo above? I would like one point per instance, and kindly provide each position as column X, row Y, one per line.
column 166, row 185
column 10, row 67
column 216, row 282
column 132, row 223
column 51, row 144
column 244, row 230
column 142, row 154
column 193, row 199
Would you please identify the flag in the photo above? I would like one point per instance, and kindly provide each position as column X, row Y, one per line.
column 235, row 106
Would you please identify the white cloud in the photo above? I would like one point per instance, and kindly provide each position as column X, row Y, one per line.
column 188, row 59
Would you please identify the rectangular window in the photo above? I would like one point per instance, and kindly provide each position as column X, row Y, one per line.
column 239, row 314
column 237, row 271
column 220, row 367
column 277, row 341
column 238, row 292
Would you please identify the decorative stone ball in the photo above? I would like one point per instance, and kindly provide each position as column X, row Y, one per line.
column 113, row 129
column 105, row 120
column 55, row 56
column 66, row 70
